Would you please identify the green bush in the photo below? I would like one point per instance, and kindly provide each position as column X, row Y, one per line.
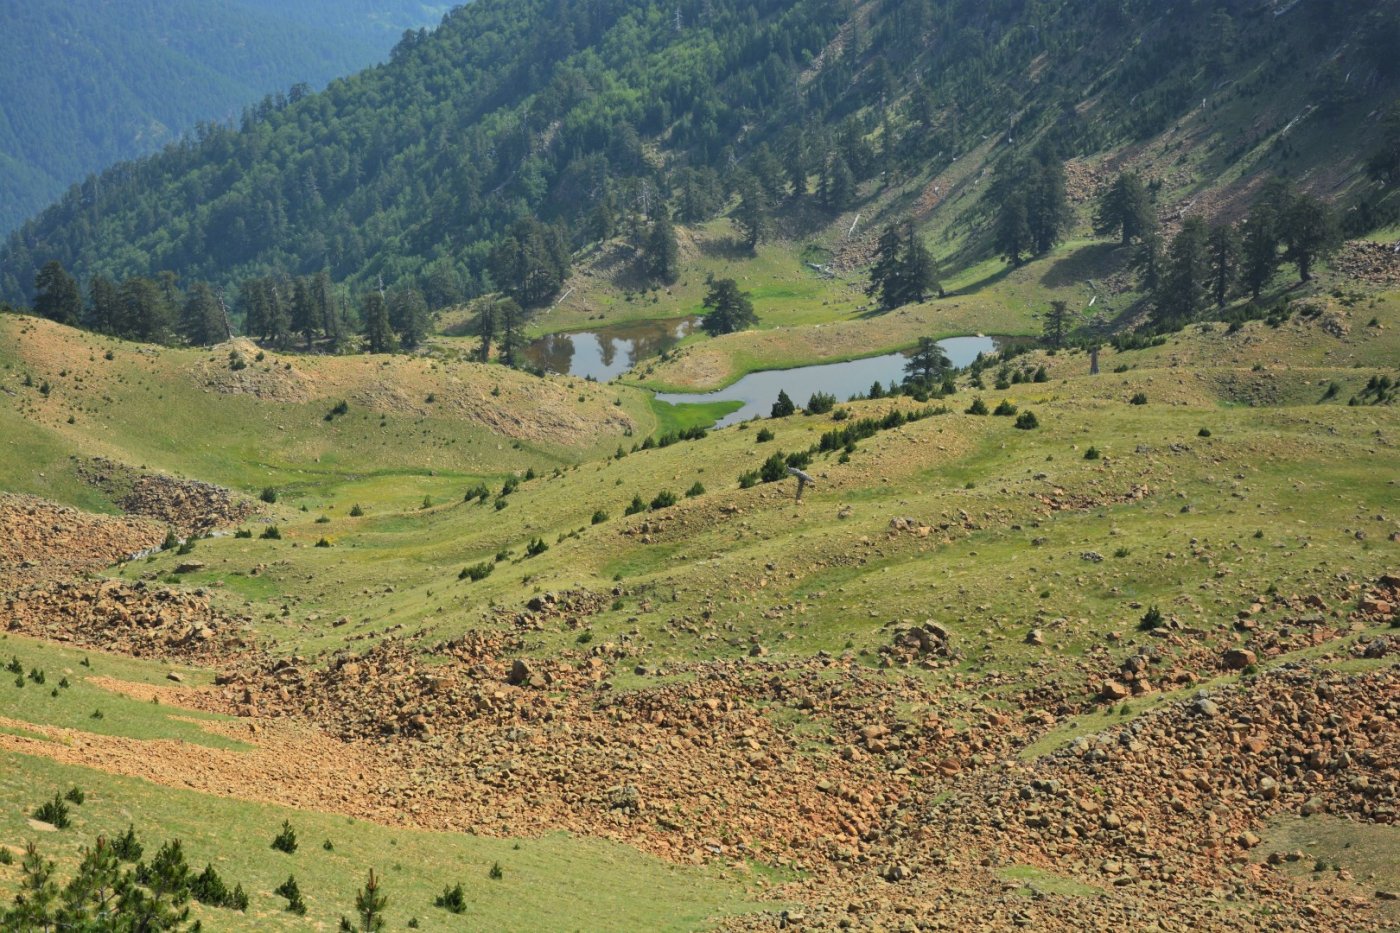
column 698, row 489
column 978, row 407
column 272, row 533
column 126, row 847
column 268, row 495
column 453, row 899
column 292, row 893
column 54, row 812
column 664, row 500
column 637, row 505
column 1091, row 454
column 599, row 517
column 1004, row 409
column 820, row 403
column 477, row 571
column 763, row 436
column 1139, row 398
column 1027, row 421
column 773, row 469
column 1151, row 619
column 286, row 839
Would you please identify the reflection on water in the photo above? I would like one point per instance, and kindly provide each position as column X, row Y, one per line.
column 758, row 391
column 608, row 352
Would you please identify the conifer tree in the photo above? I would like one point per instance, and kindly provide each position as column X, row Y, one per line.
column 485, row 330
column 408, row 314
column 201, row 318
column 303, row 316
column 379, row 333
column 1056, row 323
column 1262, row 237
column 104, row 307
column 1186, row 285
column 1125, row 208
column 727, row 309
column 904, row 271
column 511, row 318
column 1309, row 233
column 36, row 904
column 836, row 188
column 370, row 904
column 928, row 363
column 662, row 254
column 56, row 294
column 1013, row 229
column 751, row 216
column 1224, row 245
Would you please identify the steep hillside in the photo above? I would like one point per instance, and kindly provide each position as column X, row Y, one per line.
column 586, row 113
column 86, row 84
column 984, row 674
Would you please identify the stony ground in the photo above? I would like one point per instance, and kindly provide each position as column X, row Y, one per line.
column 977, row 678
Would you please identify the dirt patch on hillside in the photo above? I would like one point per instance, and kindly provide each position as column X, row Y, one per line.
column 286, row 764
column 41, row 540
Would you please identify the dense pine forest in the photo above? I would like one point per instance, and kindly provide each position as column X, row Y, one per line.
column 583, row 119
column 85, row 83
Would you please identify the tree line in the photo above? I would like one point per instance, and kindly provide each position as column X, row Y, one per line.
column 1209, row 263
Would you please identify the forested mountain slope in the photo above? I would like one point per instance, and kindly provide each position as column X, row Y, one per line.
column 583, row 112
column 85, row 83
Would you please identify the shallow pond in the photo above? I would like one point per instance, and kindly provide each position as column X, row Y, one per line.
column 607, row 353
column 758, row 391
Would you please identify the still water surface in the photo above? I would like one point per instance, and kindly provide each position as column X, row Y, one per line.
column 608, row 352
column 758, row 391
